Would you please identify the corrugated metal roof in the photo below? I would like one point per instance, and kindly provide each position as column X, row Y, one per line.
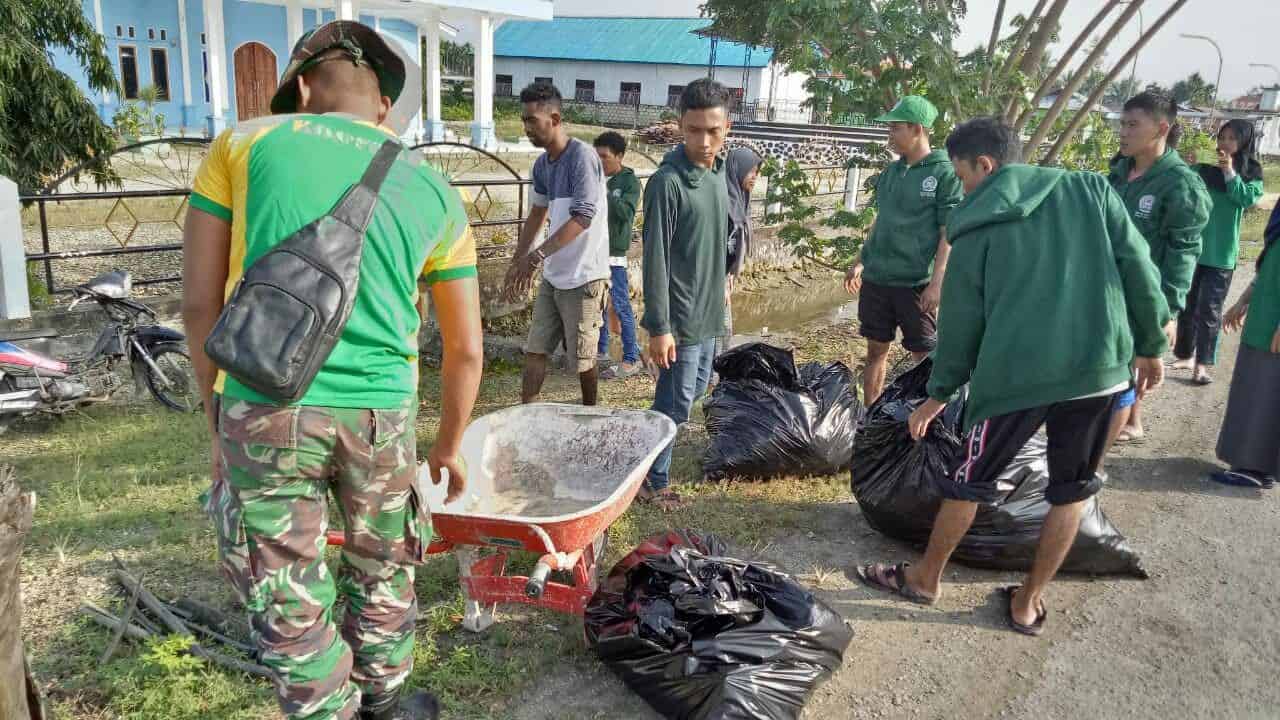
column 655, row 41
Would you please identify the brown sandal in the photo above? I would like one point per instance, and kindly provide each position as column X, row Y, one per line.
column 665, row 499
column 892, row 579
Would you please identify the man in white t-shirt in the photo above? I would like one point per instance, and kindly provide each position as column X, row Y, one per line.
column 569, row 184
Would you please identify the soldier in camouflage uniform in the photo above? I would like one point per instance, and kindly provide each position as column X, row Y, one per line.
column 352, row 435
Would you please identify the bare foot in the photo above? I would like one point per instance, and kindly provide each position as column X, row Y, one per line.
column 1182, row 364
column 1131, row 433
column 1201, row 376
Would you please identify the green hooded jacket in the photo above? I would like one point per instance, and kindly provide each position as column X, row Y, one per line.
column 624, row 198
column 1050, row 289
column 912, row 203
column 1170, row 205
column 686, row 226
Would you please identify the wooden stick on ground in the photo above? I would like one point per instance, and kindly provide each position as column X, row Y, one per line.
column 124, row 624
column 111, row 622
column 175, row 626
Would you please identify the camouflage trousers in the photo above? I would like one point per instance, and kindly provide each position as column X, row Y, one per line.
column 270, row 507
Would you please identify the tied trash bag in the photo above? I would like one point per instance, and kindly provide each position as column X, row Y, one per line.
column 894, row 482
column 702, row 636
column 767, row 418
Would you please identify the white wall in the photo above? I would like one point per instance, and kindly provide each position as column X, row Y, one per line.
column 1269, row 135
column 788, row 87
column 653, row 79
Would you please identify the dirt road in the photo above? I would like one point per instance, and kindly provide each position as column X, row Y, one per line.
column 1197, row 640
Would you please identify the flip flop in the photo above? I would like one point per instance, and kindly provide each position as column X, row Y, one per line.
column 1127, row 439
column 1235, row 478
column 1203, row 380
column 892, row 579
column 1036, row 628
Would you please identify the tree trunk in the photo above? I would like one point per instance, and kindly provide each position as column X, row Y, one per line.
column 16, row 510
column 991, row 47
column 1078, row 78
column 1036, row 47
column 1063, row 62
column 1119, row 68
column 1020, row 43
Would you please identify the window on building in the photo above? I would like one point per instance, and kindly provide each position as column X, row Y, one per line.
column 151, row 33
column 164, row 34
column 204, row 60
column 129, row 72
column 119, row 31
column 502, row 85
column 629, row 94
column 202, row 41
column 160, row 72
column 546, row 80
column 584, row 90
column 131, row 31
column 673, row 95
column 735, row 98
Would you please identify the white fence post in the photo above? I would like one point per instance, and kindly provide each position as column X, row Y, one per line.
column 852, row 181
column 15, row 303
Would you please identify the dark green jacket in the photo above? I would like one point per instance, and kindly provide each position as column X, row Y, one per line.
column 1221, row 236
column 912, row 203
column 686, row 218
column 1049, row 291
column 624, row 198
column 1170, row 206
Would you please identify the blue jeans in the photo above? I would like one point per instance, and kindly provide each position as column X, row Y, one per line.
column 620, row 296
column 678, row 388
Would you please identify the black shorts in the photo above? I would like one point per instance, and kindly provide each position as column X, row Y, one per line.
column 883, row 309
column 1077, row 431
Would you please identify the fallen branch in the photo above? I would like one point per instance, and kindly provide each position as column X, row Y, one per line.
column 123, row 625
column 175, row 625
column 111, row 622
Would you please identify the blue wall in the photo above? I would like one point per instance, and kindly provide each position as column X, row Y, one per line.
column 243, row 22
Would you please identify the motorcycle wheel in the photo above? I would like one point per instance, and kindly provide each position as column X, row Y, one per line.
column 6, row 421
column 183, row 393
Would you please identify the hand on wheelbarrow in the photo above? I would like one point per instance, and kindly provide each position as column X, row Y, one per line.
column 437, row 459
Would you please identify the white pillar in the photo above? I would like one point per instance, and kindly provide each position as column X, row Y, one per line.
column 216, row 46
column 15, row 303
column 482, row 134
column 293, row 22
column 347, row 9
column 429, row 34
column 185, row 51
column 852, row 182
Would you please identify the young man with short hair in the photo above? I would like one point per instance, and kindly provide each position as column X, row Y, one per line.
column 686, row 218
column 352, row 435
column 1050, row 292
column 568, row 185
column 624, row 198
column 898, row 273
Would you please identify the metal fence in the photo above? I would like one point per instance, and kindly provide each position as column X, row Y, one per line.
column 73, row 233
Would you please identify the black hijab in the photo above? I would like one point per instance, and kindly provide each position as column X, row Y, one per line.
column 1245, row 161
column 737, row 165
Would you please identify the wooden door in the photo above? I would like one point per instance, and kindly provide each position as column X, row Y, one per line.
column 255, row 66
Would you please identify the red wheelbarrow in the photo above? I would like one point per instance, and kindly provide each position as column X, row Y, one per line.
column 545, row 478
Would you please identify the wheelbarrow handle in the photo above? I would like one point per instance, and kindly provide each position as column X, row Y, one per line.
column 537, row 582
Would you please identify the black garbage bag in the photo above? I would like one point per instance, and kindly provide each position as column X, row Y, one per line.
column 767, row 418
column 894, row 480
column 702, row 636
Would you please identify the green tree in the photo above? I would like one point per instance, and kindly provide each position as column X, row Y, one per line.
column 1194, row 90
column 1121, row 90
column 46, row 122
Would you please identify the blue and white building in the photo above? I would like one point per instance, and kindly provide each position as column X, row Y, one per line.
column 216, row 62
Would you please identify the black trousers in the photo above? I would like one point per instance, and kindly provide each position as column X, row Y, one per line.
column 1201, row 322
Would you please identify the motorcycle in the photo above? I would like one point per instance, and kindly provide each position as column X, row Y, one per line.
column 33, row 382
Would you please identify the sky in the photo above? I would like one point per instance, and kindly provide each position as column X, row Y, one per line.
column 1247, row 33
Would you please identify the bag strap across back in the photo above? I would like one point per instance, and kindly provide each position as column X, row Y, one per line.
column 356, row 207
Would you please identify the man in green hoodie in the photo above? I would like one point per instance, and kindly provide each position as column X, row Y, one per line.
column 1049, row 293
column 1169, row 203
column 624, row 198
column 686, row 219
column 898, row 273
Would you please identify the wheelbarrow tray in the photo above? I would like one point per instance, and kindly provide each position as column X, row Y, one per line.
column 547, row 477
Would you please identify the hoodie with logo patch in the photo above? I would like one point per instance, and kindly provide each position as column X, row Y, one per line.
column 912, row 203
column 1050, row 291
column 686, row 218
column 1170, row 205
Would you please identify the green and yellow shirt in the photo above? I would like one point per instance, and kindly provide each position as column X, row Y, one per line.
column 271, row 176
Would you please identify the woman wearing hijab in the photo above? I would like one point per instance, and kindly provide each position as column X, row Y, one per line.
column 1235, row 184
column 1247, row 442
column 742, row 167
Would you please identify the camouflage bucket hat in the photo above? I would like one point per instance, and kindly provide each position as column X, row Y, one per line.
column 363, row 46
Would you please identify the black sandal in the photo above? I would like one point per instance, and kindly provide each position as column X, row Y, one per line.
column 1036, row 628
column 892, row 579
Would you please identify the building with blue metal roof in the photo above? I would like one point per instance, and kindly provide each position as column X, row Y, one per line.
column 635, row 61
